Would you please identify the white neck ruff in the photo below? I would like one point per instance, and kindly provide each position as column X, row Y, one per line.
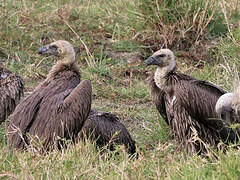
column 159, row 76
column 161, row 72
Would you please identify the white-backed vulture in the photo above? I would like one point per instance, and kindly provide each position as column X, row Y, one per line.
column 228, row 107
column 11, row 90
column 58, row 107
column 107, row 130
column 187, row 105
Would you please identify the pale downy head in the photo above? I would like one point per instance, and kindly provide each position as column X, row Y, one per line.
column 62, row 49
column 162, row 58
column 224, row 108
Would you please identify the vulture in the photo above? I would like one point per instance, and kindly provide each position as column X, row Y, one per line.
column 57, row 108
column 228, row 107
column 187, row 105
column 11, row 91
column 107, row 130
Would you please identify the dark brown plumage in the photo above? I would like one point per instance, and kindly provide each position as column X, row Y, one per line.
column 58, row 107
column 106, row 129
column 187, row 105
column 11, row 90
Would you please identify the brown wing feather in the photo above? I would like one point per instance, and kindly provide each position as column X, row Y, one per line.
column 79, row 101
column 198, row 99
column 189, row 107
column 55, row 109
column 18, row 126
column 107, row 129
column 71, row 114
column 191, row 134
column 11, row 91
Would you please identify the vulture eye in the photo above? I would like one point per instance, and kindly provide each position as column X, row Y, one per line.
column 53, row 47
column 161, row 55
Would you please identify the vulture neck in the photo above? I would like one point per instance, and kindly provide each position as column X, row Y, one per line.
column 161, row 73
column 64, row 64
column 67, row 59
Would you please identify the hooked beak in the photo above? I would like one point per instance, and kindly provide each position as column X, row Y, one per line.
column 43, row 50
column 151, row 61
column 50, row 50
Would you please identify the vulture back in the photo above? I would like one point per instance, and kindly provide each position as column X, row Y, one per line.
column 106, row 129
column 57, row 109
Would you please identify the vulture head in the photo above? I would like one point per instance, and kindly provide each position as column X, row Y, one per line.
column 228, row 107
column 162, row 58
column 62, row 49
column 224, row 108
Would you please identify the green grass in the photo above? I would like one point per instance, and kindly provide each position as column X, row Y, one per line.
column 119, row 87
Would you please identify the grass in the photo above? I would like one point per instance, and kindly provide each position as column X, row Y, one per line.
column 96, row 28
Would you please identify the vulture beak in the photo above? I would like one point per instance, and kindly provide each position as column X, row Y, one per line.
column 151, row 61
column 51, row 50
column 43, row 50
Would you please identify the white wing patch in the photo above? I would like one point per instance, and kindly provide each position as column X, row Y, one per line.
column 172, row 101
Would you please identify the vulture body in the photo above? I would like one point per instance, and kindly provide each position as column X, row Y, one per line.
column 106, row 129
column 228, row 107
column 187, row 105
column 11, row 91
column 58, row 107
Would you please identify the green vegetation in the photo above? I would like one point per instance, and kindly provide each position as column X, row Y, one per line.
column 205, row 36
